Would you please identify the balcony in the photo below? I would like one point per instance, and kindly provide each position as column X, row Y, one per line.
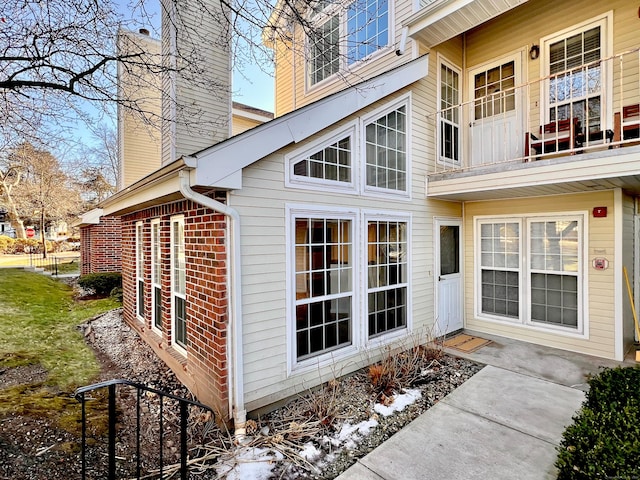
column 575, row 130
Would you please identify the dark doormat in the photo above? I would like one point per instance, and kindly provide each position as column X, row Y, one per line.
column 466, row 343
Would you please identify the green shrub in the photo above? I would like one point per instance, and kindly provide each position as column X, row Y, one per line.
column 604, row 440
column 7, row 244
column 101, row 283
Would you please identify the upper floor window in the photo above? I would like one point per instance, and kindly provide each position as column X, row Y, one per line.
column 386, row 151
column 325, row 51
column 351, row 30
column 331, row 163
column 367, row 28
column 578, row 76
column 449, row 118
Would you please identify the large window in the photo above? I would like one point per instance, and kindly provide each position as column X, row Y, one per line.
column 324, row 50
column 367, row 28
column 178, row 283
column 156, row 275
column 140, row 269
column 351, row 30
column 323, row 284
column 386, row 276
column 554, row 272
column 386, row 151
column 545, row 290
column 575, row 87
column 500, row 268
column 449, row 118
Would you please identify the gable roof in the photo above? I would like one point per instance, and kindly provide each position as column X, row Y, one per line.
column 220, row 166
column 217, row 163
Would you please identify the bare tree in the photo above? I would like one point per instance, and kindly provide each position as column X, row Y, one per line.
column 61, row 58
column 40, row 190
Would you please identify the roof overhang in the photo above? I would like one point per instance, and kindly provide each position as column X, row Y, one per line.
column 92, row 217
column 159, row 187
column 217, row 164
column 441, row 20
column 220, row 166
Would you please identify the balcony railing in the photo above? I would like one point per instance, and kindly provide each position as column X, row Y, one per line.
column 588, row 108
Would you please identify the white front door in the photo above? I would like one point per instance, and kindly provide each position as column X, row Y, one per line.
column 449, row 276
column 496, row 121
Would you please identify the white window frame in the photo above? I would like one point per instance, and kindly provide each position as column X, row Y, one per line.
column 140, row 306
column 341, row 8
column 311, row 211
column 179, row 219
column 524, row 318
column 391, row 335
column 156, row 269
column 311, row 183
column 443, row 61
column 605, row 22
column 405, row 101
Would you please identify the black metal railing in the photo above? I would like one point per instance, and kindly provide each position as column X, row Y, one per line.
column 52, row 263
column 157, row 439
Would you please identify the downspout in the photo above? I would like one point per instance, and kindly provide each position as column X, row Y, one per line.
column 234, row 281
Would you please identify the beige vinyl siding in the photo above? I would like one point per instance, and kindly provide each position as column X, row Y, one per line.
column 240, row 124
column 140, row 151
column 292, row 94
column 599, row 286
column 524, row 26
column 139, row 141
column 261, row 203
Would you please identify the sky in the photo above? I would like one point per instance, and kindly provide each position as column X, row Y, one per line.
column 251, row 86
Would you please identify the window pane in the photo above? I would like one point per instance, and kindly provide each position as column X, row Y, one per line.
column 386, row 151
column 180, row 316
column 578, row 80
column 331, row 163
column 554, row 299
column 387, row 276
column 325, row 51
column 367, row 28
column 323, row 278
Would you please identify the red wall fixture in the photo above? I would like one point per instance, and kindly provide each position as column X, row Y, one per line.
column 599, row 212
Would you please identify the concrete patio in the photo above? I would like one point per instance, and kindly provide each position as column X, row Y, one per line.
column 503, row 423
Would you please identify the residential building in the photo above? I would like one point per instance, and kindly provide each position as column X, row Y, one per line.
column 433, row 166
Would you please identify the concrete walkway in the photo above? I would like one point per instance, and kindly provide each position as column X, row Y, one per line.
column 503, row 423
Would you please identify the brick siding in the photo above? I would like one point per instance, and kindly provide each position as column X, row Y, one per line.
column 204, row 369
column 100, row 249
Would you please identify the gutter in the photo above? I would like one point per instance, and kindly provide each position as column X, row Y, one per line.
column 234, row 281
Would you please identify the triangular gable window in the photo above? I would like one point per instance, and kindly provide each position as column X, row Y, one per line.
column 332, row 163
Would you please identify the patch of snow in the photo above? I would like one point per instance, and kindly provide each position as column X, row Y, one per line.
column 250, row 462
column 399, row 402
column 310, row 453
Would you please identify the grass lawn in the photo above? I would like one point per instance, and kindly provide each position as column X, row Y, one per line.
column 38, row 326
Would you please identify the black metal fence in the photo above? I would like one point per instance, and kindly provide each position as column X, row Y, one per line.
column 55, row 265
column 148, row 434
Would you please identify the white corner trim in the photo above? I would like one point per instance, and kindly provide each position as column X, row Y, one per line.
column 618, row 311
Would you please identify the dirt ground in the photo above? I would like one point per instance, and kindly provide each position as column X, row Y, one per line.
column 35, row 447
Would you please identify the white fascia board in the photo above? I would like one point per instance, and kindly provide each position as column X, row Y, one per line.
column 237, row 112
column 92, row 217
column 148, row 194
column 222, row 160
